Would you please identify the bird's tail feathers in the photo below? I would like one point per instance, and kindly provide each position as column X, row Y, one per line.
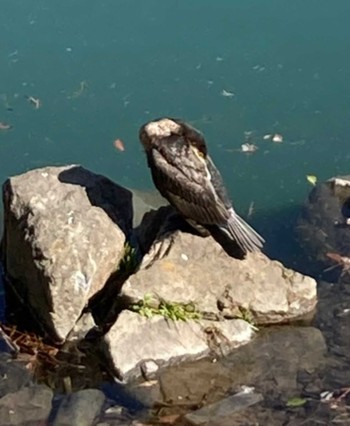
column 245, row 236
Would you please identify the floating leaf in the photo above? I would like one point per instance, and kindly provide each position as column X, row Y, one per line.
column 311, row 179
column 296, row 402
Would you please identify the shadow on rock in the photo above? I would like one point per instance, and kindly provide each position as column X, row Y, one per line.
column 114, row 199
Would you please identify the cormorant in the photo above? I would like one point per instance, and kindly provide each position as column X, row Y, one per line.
column 185, row 175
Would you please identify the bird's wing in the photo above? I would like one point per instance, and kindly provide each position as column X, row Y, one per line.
column 188, row 187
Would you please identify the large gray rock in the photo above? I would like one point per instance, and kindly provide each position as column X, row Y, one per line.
column 133, row 341
column 197, row 270
column 64, row 235
column 182, row 268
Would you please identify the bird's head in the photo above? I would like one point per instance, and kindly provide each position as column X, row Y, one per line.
column 164, row 131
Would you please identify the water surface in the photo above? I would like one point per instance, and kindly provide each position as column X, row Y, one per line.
column 101, row 69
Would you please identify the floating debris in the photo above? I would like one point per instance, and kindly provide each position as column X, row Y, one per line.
column 277, row 138
column 12, row 54
column 4, row 100
column 83, row 86
column 296, row 402
column 248, row 147
column 5, row 126
column 34, row 101
column 248, row 135
column 227, row 94
column 311, row 179
column 250, row 210
column 31, row 344
column 119, row 145
column 267, row 137
column 340, row 261
column 259, row 68
column 334, row 397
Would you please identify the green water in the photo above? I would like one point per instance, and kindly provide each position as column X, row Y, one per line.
column 286, row 62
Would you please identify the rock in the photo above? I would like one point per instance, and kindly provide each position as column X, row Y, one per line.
column 2, row 294
column 29, row 406
column 6, row 344
column 134, row 339
column 116, row 416
column 80, row 408
column 149, row 369
column 221, row 411
column 323, row 225
column 197, row 270
column 147, row 392
column 13, row 376
column 64, row 235
column 82, row 327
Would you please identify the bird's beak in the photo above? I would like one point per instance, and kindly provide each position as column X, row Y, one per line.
column 145, row 139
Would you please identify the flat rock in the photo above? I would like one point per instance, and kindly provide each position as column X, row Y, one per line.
column 197, row 270
column 29, row 406
column 221, row 411
column 135, row 339
column 64, row 234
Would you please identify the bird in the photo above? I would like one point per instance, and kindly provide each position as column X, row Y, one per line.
column 186, row 176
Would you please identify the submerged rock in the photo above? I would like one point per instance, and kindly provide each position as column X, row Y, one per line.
column 64, row 235
column 280, row 363
column 221, row 412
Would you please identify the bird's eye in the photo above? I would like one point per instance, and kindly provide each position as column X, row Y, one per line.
column 197, row 152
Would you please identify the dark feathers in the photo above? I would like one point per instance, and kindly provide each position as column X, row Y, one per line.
column 186, row 176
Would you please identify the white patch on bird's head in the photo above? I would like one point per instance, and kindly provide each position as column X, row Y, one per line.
column 162, row 128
